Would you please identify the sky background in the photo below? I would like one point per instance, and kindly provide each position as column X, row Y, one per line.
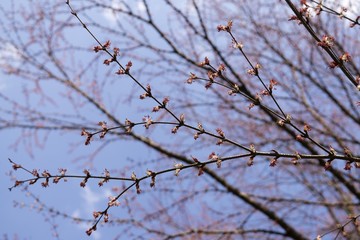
column 23, row 222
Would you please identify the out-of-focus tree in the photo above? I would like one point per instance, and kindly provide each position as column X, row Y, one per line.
column 241, row 118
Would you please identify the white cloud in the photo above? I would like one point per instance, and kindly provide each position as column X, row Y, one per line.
column 351, row 4
column 9, row 57
column 141, row 6
column 91, row 200
column 353, row 7
column 112, row 16
column 83, row 226
column 109, row 13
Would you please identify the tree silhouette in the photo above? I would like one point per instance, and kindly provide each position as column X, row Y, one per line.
column 232, row 119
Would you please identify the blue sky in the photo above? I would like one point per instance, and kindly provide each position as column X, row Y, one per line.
column 68, row 197
column 23, row 221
